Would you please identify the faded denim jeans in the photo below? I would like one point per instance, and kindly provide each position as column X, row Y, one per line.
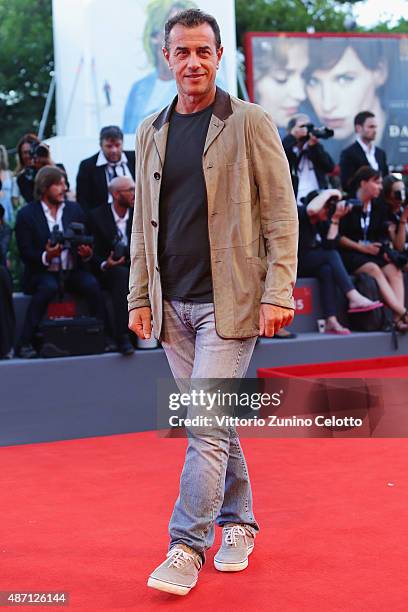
column 214, row 483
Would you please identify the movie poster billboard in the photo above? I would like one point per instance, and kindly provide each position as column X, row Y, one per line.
column 332, row 77
column 109, row 64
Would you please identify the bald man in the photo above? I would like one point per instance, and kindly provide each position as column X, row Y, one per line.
column 111, row 226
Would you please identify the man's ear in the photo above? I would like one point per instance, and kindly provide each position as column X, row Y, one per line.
column 166, row 55
column 220, row 51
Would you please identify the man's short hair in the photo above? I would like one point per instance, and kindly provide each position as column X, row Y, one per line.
column 110, row 132
column 360, row 118
column 191, row 18
column 46, row 176
column 292, row 122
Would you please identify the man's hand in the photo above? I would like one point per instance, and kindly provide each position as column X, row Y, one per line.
column 312, row 141
column 111, row 263
column 140, row 322
column 272, row 318
column 342, row 209
column 85, row 251
column 52, row 251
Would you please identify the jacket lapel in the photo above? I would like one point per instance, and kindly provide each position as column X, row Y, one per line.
column 214, row 129
column 41, row 220
column 160, row 140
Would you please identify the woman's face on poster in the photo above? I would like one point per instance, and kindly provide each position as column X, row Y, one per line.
column 282, row 88
column 339, row 93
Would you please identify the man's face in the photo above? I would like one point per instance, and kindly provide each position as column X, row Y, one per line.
column 126, row 195
column 193, row 58
column 368, row 131
column 112, row 149
column 55, row 194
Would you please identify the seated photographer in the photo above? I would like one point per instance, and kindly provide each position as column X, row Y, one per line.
column 394, row 199
column 318, row 239
column 7, row 316
column 364, row 236
column 308, row 161
column 51, row 262
column 33, row 155
column 111, row 226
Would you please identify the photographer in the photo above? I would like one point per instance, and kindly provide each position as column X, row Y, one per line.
column 308, row 161
column 364, row 231
column 48, row 260
column 33, row 155
column 393, row 197
column 111, row 227
column 318, row 257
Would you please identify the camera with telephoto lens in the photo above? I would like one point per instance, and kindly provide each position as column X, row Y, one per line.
column 400, row 260
column 119, row 248
column 38, row 149
column 72, row 238
column 400, row 196
column 331, row 204
column 322, row 133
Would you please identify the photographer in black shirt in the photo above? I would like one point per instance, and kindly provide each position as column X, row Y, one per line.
column 308, row 161
column 111, row 226
column 318, row 256
column 394, row 199
column 363, row 242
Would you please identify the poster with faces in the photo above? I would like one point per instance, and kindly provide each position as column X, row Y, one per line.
column 110, row 68
column 331, row 78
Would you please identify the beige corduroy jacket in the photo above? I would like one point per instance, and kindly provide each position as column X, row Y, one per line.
column 252, row 216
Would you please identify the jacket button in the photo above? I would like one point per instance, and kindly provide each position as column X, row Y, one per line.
column 157, row 268
column 154, row 223
column 157, row 176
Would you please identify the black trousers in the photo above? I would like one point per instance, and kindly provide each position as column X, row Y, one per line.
column 45, row 288
column 328, row 267
column 116, row 281
column 7, row 316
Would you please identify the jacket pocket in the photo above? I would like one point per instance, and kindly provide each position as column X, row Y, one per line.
column 238, row 182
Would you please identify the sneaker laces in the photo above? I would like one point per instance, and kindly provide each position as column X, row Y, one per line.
column 231, row 534
column 180, row 558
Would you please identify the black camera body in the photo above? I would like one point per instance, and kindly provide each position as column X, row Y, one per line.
column 323, row 133
column 400, row 260
column 349, row 202
column 119, row 248
column 37, row 149
column 73, row 237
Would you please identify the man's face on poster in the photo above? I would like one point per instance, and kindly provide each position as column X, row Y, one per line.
column 193, row 58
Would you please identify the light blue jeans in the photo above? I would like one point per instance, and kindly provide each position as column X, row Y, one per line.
column 214, row 483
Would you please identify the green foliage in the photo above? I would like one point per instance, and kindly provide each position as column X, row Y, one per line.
column 290, row 16
column 401, row 27
column 25, row 68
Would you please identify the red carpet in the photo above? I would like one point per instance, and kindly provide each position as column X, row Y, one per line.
column 90, row 517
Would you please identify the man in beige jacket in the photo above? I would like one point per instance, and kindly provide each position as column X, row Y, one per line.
column 213, row 263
